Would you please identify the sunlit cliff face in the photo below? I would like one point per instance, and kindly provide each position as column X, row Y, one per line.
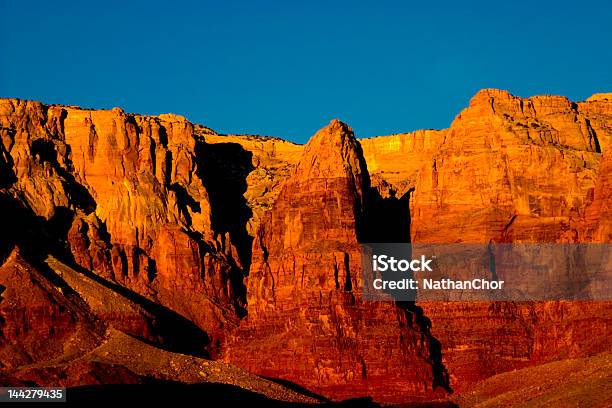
column 246, row 249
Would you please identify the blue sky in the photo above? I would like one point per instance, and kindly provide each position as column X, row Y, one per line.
column 285, row 68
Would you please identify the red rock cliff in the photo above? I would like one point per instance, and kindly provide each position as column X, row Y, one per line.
column 512, row 169
column 153, row 208
column 127, row 191
column 307, row 322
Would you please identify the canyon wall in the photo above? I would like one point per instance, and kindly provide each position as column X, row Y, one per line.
column 123, row 195
column 509, row 168
column 395, row 161
column 514, row 169
column 307, row 322
column 250, row 245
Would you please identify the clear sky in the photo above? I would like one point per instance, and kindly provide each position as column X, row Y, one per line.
column 285, row 68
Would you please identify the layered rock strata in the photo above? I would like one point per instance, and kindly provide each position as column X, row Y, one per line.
column 167, row 219
column 124, row 195
column 307, row 321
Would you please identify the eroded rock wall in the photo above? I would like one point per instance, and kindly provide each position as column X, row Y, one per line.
column 307, row 322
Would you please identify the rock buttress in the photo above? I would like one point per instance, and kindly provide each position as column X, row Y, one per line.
column 525, row 170
column 306, row 320
column 125, row 196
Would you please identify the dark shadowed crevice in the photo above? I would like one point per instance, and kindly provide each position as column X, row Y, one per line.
column 593, row 134
column 223, row 169
column 415, row 316
column 348, row 284
column 7, row 176
column 336, row 273
column 151, row 269
column 57, row 229
column 387, row 220
column 186, row 202
column 163, row 136
column 45, row 152
column 92, row 142
column 21, row 227
column 168, row 168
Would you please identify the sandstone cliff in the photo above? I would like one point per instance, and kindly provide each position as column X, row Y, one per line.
column 513, row 169
column 306, row 321
column 249, row 246
column 250, row 173
column 123, row 195
column 395, row 161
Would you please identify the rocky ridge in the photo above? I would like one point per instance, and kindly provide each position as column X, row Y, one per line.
column 253, row 243
column 307, row 321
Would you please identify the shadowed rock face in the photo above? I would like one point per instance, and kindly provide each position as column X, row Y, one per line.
column 249, row 246
column 40, row 320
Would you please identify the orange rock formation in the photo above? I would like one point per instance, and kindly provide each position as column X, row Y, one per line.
column 248, row 247
column 307, row 322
